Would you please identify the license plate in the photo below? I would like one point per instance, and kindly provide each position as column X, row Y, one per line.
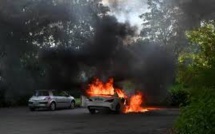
column 98, row 99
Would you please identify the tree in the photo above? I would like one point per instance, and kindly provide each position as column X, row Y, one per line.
column 199, row 61
column 163, row 23
column 29, row 26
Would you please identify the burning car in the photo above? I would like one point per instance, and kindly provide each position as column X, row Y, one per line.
column 104, row 96
column 106, row 102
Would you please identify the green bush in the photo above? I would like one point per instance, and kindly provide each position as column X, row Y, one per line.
column 179, row 96
column 75, row 93
column 78, row 102
column 199, row 116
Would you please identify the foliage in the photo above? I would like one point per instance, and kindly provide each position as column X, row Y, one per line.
column 179, row 95
column 196, row 66
column 205, row 38
column 199, row 116
column 78, row 102
column 196, row 69
column 162, row 25
column 33, row 25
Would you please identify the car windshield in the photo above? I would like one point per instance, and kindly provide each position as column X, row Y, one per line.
column 42, row 93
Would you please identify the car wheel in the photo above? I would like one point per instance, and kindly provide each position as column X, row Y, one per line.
column 92, row 111
column 32, row 109
column 72, row 105
column 118, row 109
column 108, row 111
column 52, row 106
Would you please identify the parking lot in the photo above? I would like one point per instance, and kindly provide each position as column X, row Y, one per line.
column 79, row 121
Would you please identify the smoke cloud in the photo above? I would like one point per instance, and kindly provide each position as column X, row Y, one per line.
column 149, row 66
column 127, row 11
column 108, row 53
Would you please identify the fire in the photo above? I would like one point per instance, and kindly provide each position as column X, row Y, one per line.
column 121, row 93
column 135, row 104
column 100, row 88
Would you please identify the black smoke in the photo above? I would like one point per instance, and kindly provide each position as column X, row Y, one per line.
column 196, row 11
column 146, row 64
column 99, row 52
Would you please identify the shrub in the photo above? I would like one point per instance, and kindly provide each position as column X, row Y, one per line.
column 179, row 96
column 199, row 116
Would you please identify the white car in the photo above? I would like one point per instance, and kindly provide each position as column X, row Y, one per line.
column 105, row 102
column 51, row 99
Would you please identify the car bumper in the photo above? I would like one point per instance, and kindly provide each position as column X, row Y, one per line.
column 38, row 104
column 101, row 105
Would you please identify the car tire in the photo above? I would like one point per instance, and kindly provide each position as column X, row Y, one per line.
column 72, row 105
column 32, row 109
column 108, row 111
column 52, row 106
column 118, row 109
column 92, row 111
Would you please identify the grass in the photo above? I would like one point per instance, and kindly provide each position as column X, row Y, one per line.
column 78, row 102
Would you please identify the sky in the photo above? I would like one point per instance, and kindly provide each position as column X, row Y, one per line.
column 127, row 11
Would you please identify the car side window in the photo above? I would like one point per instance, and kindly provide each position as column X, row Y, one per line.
column 59, row 93
column 56, row 93
column 42, row 93
column 64, row 93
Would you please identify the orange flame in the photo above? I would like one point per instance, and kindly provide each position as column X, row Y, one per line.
column 100, row 88
column 121, row 93
column 135, row 104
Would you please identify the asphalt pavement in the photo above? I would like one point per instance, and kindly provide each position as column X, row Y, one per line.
column 79, row 121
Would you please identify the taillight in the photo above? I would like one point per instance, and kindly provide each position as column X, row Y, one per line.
column 111, row 100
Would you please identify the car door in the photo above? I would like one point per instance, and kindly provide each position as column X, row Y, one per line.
column 62, row 99
column 66, row 99
column 58, row 98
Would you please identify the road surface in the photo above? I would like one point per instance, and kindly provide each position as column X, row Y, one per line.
column 79, row 121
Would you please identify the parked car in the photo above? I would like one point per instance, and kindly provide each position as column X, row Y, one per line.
column 110, row 103
column 51, row 99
